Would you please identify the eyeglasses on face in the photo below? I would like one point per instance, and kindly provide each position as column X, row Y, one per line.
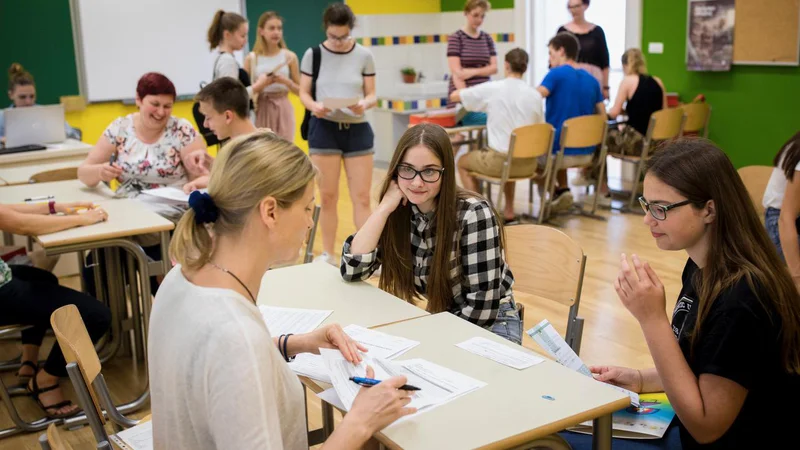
column 344, row 38
column 428, row 175
column 659, row 212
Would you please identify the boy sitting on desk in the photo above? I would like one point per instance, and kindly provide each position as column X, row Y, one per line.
column 225, row 104
column 509, row 103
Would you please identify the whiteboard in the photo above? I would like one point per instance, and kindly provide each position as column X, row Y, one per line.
column 118, row 41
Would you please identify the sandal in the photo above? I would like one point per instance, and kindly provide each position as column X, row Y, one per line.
column 35, row 394
column 25, row 379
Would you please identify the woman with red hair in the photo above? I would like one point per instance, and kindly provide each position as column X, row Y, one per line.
column 147, row 149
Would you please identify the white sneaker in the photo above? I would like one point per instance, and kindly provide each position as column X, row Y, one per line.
column 562, row 203
column 324, row 258
column 580, row 180
column 602, row 201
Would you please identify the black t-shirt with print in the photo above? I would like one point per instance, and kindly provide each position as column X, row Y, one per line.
column 739, row 340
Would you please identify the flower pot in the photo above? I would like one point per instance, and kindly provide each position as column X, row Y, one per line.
column 409, row 78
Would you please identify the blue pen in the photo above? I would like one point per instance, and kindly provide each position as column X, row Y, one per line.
column 369, row 382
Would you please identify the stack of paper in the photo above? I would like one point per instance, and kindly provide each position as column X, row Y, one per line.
column 292, row 320
column 437, row 384
column 170, row 194
column 500, row 353
column 139, row 437
column 311, row 366
column 647, row 421
column 545, row 335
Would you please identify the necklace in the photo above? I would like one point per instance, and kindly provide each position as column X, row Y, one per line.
column 237, row 279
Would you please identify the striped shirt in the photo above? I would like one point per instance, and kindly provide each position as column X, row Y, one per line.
column 473, row 52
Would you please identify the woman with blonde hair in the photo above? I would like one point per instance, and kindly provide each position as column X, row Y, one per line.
column 271, row 58
column 435, row 241
column 217, row 377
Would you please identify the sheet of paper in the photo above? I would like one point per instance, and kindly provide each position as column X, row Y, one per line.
column 334, row 103
column 380, row 344
column 139, row 437
column 311, row 366
column 500, row 353
column 292, row 320
column 330, row 396
column 545, row 335
column 170, row 193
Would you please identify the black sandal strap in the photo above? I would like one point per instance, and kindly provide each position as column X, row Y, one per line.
column 58, row 405
column 47, row 389
column 30, row 364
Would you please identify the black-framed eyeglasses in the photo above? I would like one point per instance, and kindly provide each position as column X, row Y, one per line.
column 335, row 38
column 659, row 212
column 428, row 175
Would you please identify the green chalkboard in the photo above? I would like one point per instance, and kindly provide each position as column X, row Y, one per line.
column 38, row 35
column 458, row 5
column 302, row 21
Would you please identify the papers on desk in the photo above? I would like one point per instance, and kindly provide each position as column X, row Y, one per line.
column 292, row 320
column 169, row 194
column 647, row 421
column 545, row 335
column 311, row 366
column 379, row 344
column 437, row 384
column 500, row 353
column 139, row 437
column 334, row 103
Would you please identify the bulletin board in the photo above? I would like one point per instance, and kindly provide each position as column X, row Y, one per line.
column 767, row 32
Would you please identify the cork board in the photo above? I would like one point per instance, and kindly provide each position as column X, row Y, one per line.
column 767, row 32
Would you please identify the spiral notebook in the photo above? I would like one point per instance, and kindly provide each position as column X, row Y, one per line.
column 647, row 421
column 139, row 437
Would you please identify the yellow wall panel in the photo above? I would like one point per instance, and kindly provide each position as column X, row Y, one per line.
column 392, row 7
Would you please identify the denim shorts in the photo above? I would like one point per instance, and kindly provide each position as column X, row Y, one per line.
column 507, row 325
column 771, row 221
column 326, row 137
column 473, row 118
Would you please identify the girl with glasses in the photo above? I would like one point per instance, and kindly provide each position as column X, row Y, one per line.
column 346, row 71
column 730, row 353
column 435, row 241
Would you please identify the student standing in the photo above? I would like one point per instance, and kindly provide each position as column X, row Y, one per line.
column 270, row 57
column 346, row 71
column 593, row 55
column 730, row 354
column 510, row 103
column 435, row 241
column 228, row 33
column 782, row 203
column 218, row 379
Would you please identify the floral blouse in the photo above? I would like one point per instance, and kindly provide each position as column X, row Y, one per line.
column 5, row 273
column 149, row 166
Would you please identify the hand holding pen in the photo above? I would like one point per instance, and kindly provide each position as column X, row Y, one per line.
column 369, row 382
column 376, row 407
column 110, row 171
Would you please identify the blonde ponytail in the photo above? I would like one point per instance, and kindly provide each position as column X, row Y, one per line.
column 634, row 58
column 248, row 169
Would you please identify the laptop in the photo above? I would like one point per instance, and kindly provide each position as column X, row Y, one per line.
column 37, row 125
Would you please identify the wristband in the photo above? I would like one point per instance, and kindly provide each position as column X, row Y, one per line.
column 285, row 352
column 606, row 87
column 52, row 205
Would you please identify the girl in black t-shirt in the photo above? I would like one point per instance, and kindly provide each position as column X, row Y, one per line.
column 729, row 358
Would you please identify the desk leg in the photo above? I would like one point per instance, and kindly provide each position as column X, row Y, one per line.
column 327, row 419
column 601, row 435
column 8, row 238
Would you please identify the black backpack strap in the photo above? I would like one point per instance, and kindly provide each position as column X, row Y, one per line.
column 316, row 59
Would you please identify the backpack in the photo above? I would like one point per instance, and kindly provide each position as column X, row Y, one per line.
column 316, row 54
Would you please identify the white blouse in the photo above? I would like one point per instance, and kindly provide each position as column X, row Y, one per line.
column 216, row 379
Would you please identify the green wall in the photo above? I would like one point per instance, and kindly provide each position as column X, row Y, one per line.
column 38, row 35
column 302, row 21
column 458, row 5
column 755, row 108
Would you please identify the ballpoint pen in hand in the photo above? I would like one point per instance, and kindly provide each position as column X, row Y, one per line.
column 369, row 382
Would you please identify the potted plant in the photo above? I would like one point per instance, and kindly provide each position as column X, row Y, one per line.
column 409, row 74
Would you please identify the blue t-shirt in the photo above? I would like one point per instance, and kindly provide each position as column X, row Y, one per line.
column 573, row 92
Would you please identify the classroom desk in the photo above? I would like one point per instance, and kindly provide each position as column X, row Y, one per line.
column 63, row 191
column 510, row 410
column 21, row 173
column 320, row 286
column 70, row 149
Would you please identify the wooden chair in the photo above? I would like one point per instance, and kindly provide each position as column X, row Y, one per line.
column 52, row 439
column 67, row 173
column 530, row 141
column 578, row 132
column 83, row 367
column 698, row 115
column 549, row 264
column 755, row 179
column 664, row 124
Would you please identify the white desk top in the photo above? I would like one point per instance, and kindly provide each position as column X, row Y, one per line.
column 506, row 413
column 68, row 149
column 125, row 218
column 64, row 191
column 320, row 286
column 21, row 172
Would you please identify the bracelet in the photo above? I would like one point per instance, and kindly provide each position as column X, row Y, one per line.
column 285, row 352
column 606, row 87
column 280, row 347
column 52, row 205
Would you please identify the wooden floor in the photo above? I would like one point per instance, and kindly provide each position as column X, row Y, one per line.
column 610, row 336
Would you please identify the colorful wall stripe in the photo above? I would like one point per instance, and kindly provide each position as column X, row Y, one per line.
column 411, row 105
column 392, row 7
column 422, row 39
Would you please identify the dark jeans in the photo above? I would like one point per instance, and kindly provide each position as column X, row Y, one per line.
column 771, row 222
column 31, row 297
column 670, row 441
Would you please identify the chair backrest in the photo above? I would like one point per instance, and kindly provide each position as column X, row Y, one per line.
column 67, row 173
column 77, row 347
column 583, row 131
column 755, row 179
column 697, row 117
column 55, row 440
column 532, row 141
column 665, row 124
column 545, row 262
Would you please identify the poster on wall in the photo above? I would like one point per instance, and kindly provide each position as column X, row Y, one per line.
column 709, row 40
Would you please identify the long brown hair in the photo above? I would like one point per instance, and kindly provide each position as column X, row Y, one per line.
column 260, row 47
column 739, row 247
column 397, row 272
column 223, row 21
column 18, row 76
column 791, row 150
